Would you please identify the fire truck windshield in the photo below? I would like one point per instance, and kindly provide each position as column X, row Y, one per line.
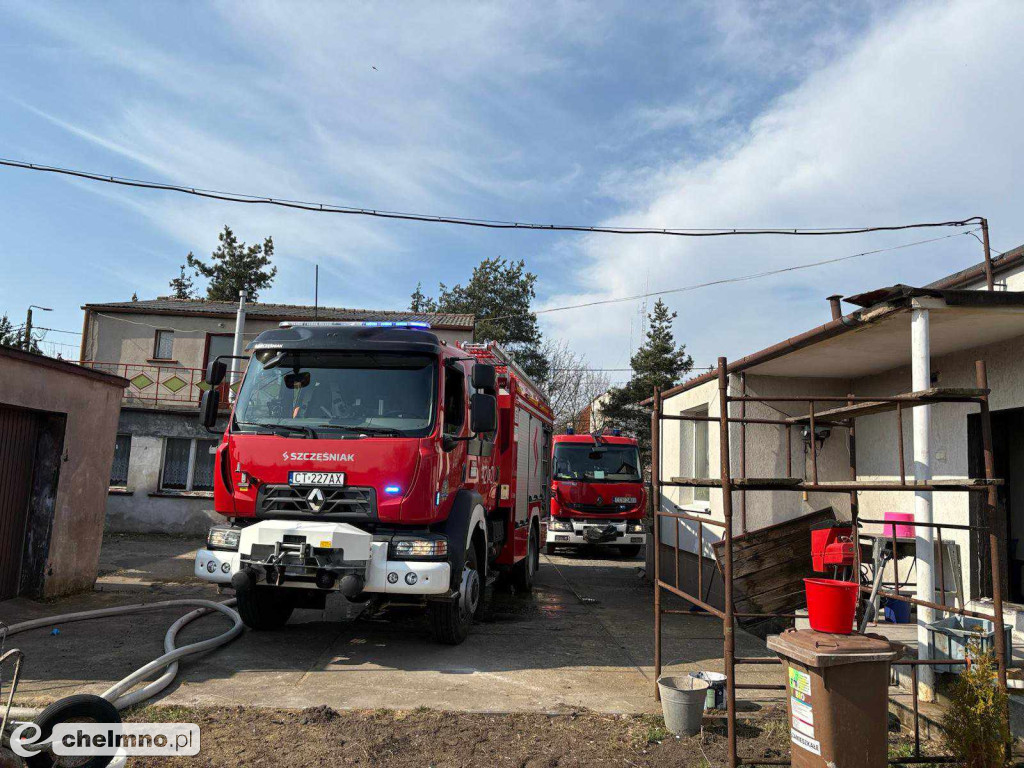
column 326, row 394
column 590, row 463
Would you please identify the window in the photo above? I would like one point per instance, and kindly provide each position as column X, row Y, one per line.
column 188, row 464
column 163, row 345
column 454, row 400
column 700, row 454
column 122, row 451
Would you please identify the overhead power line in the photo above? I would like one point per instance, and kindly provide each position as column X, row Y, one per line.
column 725, row 280
column 239, row 197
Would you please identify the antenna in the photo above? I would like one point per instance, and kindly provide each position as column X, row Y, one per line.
column 316, row 291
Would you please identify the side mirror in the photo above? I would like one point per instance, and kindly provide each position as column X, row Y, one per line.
column 209, row 407
column 483, row 413
column 215, row 372
column 485, row 377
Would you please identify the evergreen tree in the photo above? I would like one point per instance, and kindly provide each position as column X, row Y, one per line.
column 420, row 302
column 658, row 363
column 10, row 336
column 235, row 267
column 503, row 291
column 182, row 286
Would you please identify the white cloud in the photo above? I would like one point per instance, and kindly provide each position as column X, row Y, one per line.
column 920, row 121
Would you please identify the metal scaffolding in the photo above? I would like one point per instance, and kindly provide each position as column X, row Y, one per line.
column 843, row 417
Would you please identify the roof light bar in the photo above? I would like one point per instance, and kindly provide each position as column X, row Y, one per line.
column 354, row 324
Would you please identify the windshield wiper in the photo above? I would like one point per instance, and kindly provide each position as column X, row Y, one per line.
column 365, row 430
column 307, row 431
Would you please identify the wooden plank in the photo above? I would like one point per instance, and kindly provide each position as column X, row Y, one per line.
column 739, row 483
column 909, row 400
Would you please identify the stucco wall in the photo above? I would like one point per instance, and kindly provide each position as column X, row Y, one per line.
column 765, row 456
column 91, row 407
column 142, row 507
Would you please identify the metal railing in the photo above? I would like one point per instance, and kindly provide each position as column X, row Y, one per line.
column 843, row 417
column 159, row 385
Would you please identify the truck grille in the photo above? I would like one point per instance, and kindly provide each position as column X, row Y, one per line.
column 600, row 509
column 287, row 501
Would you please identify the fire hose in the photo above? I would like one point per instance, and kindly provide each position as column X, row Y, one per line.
column 118, row 694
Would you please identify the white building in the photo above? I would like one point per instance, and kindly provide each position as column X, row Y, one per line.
column 868, row 353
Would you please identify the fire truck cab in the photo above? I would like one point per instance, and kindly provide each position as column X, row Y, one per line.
column 376, row 461
column 598, row 494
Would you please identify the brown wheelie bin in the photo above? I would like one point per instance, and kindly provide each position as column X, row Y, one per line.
column 838, row 694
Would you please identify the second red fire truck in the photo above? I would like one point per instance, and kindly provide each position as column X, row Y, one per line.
column 598, row 494
column 376, row 460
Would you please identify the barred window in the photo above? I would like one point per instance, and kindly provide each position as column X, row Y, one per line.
column 122, row 452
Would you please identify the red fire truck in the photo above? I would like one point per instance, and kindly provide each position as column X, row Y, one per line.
column 598, row 494
column 376, row 460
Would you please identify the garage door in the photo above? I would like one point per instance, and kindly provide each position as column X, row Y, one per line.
column 19, row 434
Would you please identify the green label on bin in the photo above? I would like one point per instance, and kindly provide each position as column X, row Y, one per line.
column 800, row 684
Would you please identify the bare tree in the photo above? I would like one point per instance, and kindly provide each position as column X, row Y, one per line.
column 572, row 385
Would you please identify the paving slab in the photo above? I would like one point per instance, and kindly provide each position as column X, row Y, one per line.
column 583, row 639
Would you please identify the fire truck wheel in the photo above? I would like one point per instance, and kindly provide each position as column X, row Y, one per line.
column 263, row 608
column 630, row 550
column 524, row 571
column 452, row 620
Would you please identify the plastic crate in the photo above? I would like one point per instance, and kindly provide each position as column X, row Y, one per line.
column 948, row 639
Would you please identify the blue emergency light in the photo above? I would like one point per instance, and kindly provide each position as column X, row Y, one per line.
column 392, row 490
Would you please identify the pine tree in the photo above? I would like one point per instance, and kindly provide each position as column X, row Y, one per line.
column 420, row 302
column 182, row 286
column 10, row 336
column 235, row 267
column 503, row 291
column 658, row 363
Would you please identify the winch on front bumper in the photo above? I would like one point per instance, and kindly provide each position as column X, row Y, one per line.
column 324, row 556
column 575, row 531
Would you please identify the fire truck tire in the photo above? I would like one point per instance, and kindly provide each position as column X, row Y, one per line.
column 452, row 620
column 630, row 550
column 524, row 571
column 264, row 608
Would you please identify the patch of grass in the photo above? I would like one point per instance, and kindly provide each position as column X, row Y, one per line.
column 654, row 730
column 901, row 749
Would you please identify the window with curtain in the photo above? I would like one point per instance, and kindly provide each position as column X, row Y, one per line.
column 122, row 452
column 163, row 345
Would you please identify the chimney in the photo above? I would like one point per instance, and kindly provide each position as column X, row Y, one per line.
column 833, row 302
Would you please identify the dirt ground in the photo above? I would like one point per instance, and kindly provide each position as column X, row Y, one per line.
column 426, row 738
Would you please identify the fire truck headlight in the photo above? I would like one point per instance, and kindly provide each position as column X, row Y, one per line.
column 635, row 527
column 223, row 537
column 416, row 548
column 559, row 525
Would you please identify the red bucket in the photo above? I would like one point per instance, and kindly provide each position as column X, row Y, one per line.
column 831, row 605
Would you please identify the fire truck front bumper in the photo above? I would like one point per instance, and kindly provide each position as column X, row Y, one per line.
column 568, row 532
column 322, row 556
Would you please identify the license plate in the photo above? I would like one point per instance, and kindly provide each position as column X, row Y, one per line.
column 316, row 478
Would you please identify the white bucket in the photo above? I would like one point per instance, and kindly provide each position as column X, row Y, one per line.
column 682, row 703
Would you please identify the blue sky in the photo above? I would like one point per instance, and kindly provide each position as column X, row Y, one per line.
column 659, row 114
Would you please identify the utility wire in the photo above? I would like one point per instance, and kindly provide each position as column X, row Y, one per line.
column 238, row 197
column 723, row 281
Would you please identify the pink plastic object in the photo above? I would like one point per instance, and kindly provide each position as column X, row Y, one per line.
column 902, row 531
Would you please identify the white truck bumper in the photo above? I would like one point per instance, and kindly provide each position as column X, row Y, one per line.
column 576, row 536
column 383, row 576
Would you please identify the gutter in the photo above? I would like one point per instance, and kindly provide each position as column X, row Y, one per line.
column 829, row 330
column 977, row 272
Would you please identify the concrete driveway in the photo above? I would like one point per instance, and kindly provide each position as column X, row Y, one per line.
column 584, row 638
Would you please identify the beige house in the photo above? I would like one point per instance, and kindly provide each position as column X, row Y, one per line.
column 868, row 352
column 162, row 476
